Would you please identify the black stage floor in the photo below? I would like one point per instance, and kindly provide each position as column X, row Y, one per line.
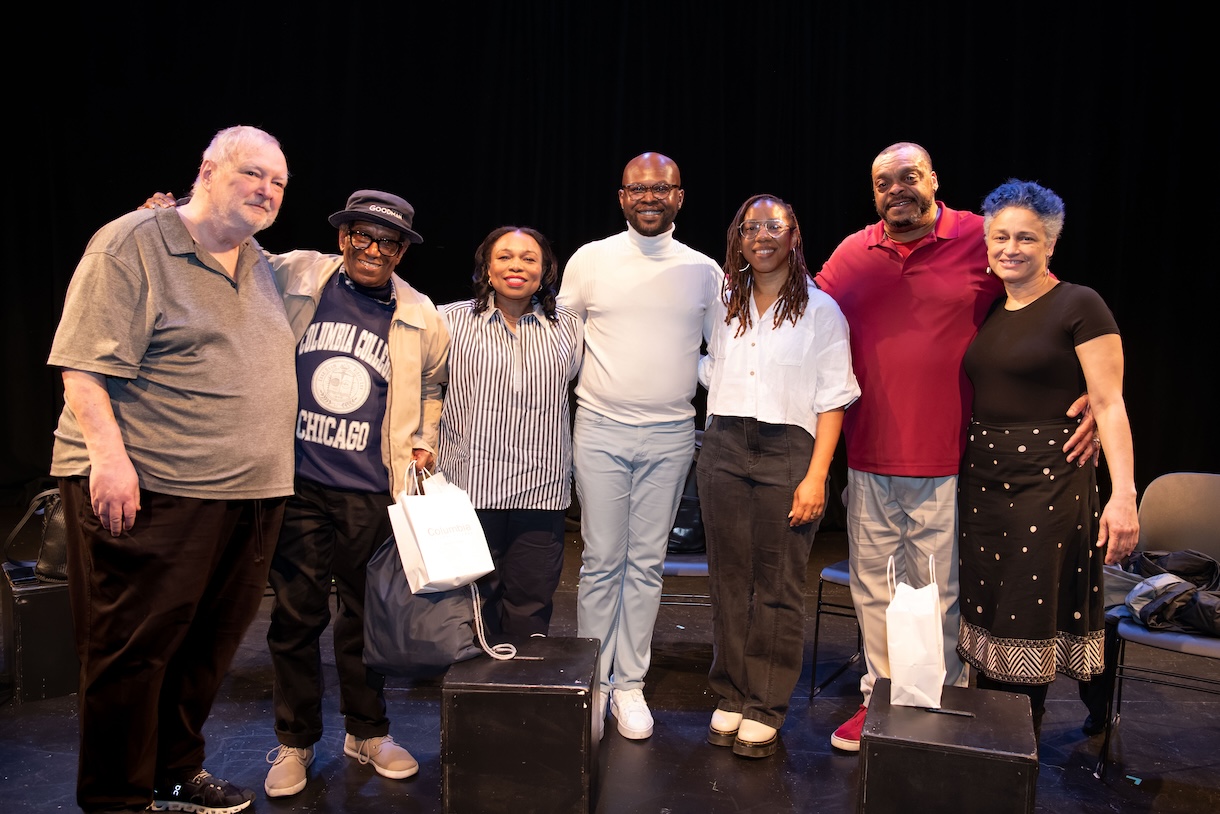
column 1166, row 749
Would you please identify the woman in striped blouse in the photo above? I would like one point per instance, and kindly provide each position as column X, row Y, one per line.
column 505, row 430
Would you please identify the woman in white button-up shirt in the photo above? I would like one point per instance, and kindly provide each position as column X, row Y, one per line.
column 779, row 377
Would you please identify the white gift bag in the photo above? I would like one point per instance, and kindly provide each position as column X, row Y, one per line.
column 439, row 537
column 915, row 633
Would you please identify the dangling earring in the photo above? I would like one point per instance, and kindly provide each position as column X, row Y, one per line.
column 744, row 268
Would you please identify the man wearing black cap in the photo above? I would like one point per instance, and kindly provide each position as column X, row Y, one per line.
column 355, row 322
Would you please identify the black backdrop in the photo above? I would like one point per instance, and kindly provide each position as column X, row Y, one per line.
column 483, row 114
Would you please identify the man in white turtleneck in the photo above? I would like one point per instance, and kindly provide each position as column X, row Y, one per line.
column 645, row 301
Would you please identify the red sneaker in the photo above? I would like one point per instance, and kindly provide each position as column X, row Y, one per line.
column 847, row 736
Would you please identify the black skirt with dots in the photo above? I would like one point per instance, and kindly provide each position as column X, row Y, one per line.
column 1030, row 573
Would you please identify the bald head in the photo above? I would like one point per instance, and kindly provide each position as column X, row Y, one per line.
column 909, row 149
column 653, row 163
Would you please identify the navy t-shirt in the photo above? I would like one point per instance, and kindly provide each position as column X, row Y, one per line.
column 343, row 373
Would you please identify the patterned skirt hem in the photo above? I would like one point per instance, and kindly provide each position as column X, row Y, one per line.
column 1031, row 661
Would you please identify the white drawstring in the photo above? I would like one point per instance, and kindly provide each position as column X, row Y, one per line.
column 504, row 651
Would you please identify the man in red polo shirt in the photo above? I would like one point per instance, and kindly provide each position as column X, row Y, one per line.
column 914, row 287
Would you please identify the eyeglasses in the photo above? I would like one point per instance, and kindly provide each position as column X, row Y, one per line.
column 636, row 191
column 361, row 241
column 750, row 228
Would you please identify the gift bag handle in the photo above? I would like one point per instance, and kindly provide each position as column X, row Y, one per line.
column 415, row 477
column 890, row 577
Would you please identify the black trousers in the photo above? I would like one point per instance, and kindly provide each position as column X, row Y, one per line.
column 527, row 550
column 159, row 613
column 328, row 536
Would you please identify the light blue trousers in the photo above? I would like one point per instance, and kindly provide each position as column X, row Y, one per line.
column 629, row 481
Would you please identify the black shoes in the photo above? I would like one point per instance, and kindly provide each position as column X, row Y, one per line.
column 203, row 794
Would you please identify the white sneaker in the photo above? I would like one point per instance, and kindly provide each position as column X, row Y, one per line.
column 287, row 774
column 388, row 758
column 634, row 719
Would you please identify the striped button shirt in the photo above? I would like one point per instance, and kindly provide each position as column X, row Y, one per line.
column 505, row 430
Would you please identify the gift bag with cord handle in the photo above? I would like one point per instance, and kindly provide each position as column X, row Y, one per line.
column 420, row 635
column 915, row 634
column 440, row 539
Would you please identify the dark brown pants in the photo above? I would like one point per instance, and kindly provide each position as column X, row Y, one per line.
column 159, row 613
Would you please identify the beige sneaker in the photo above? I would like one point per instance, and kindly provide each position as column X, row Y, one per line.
column 288, row 773
column 388, row 758
column 756, row 739
column 722, row 731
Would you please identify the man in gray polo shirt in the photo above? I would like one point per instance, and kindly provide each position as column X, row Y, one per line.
column 174, row 454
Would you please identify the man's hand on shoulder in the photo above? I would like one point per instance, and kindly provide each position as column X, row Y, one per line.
column 160, row 200
column 1084, row 443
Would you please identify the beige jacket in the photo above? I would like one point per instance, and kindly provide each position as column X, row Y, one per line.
column 419, row 354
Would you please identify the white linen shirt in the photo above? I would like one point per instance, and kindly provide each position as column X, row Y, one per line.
column 781, row 375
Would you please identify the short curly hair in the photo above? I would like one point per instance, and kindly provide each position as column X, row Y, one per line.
column 1030, row 195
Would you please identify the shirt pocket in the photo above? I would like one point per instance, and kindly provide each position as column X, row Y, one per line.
column 789, row 347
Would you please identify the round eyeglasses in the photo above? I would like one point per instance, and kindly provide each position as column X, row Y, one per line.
column 361, row 241
column 750, row 228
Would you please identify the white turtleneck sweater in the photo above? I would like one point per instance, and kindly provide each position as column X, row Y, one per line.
column 647, row 303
